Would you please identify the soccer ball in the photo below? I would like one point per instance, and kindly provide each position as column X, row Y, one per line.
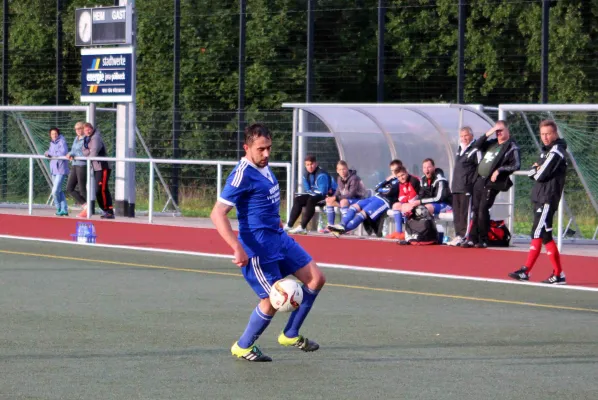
column 286, row 295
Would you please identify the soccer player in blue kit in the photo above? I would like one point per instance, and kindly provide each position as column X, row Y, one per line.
column 263, row 251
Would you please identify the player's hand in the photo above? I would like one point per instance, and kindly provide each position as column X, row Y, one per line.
column 494, row 176
column 491, row 131
column 240, row 257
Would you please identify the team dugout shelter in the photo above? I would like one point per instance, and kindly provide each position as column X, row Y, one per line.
column 369, row 136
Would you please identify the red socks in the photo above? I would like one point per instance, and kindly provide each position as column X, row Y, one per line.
column 534, row 251
column 555, row 257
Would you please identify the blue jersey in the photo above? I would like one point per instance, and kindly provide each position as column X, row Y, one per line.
column 256, row 195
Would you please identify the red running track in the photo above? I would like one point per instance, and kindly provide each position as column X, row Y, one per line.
column 493, row 264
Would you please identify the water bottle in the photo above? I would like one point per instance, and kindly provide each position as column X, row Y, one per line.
column 440, row 230
column 81, row 238
column 92, row 237
column 385, row 227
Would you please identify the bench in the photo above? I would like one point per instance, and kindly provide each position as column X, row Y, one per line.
column 444, row 221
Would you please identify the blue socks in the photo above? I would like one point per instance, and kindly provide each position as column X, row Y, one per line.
column 354, row 223
column 398, row 221
column 298, row 316
column 330, row 214
column 348, row 216
column 258, row 322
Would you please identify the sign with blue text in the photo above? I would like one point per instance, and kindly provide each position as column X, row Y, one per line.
column 107, row 75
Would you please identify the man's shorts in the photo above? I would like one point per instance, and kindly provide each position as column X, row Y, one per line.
column 543, row 216
column 373, row 206
column 440, row 207
column 261, row 277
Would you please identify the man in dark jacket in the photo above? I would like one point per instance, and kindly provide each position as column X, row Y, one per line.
column 548, row 174
column 317, row 184
column 93, row 146
column 349, row 190
column 434, row 192
column 501, row 159
column 464, row 175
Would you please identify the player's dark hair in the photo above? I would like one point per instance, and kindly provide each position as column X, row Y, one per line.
column 311, row 158
column 342, row 163
column 53, row 129
column 549, row 122
column 252, row 132
column 503, row 122
column 88, row 125
column 400, row 170
column 396, row 163
column 430, row 161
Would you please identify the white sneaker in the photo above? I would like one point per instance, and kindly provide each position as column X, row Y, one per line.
column 286, row 228
column 298, row 231
column 455, row 242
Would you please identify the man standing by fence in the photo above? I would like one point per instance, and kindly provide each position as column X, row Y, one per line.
column 548, row 174
column 94, row 147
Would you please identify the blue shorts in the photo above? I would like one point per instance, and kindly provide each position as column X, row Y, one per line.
column 261, row 277
column 440, row 207
column 373, row 206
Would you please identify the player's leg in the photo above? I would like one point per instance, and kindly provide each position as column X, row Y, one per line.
column 300, row 264
column 298, row 203
column 523, row 273
column 398, row 217
column 484, row 216
column 260, row 278
column 476, row 198
column 330, row 204
column 310, row 209
column 558, row 276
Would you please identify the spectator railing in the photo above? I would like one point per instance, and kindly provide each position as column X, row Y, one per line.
column 151, row 162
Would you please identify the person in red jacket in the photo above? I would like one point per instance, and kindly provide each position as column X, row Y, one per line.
column 409, row 187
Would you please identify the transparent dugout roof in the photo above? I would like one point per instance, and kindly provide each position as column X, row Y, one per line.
column 369, row 136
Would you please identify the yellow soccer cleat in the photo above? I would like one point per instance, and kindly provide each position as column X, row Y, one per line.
column 300, row 342
column 251, row 354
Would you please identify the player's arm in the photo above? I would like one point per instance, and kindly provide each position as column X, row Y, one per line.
column 220, row 219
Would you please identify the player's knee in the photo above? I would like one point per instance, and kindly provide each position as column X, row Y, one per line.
column 266, row 306
column 319, row 279
column 330, row 201
column 344, row 203
column 546, row 237
column 397, row 206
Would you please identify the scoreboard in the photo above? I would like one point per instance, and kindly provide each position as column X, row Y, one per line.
column 104, row 26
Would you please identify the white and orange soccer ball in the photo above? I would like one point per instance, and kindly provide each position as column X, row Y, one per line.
column 286, row 295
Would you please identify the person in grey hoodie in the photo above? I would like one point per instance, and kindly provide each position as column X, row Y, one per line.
column 349, row 190
column 59, row 169
column 75, row 185
column 93, row 146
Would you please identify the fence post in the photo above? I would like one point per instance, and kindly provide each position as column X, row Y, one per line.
column 289, row 185
column 559, row 241
column 150, row 212
column 218, row 180
column 30, row 185
column 88, row 195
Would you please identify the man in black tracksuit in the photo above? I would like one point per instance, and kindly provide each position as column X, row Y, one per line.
column 501, row 159
column 548, row 174
column 464, row 175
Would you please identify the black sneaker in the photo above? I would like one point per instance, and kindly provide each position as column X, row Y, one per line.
column 556, row 280
column 481, row 245
column 107, row 216
column 468, row 245
column 252, row 354
column 521, row 274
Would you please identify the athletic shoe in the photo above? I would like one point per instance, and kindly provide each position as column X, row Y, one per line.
column 107, row 216
column 396, row 236
column 337, row 230
column 323, row 230
column 62, row 213
column 455, row 242
column 521, row 274
column 481, row 245
column 468, row 245
column 302, row 343
column 287, row 228
column 298, row 231
column 252, row 354
column 556, row 280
